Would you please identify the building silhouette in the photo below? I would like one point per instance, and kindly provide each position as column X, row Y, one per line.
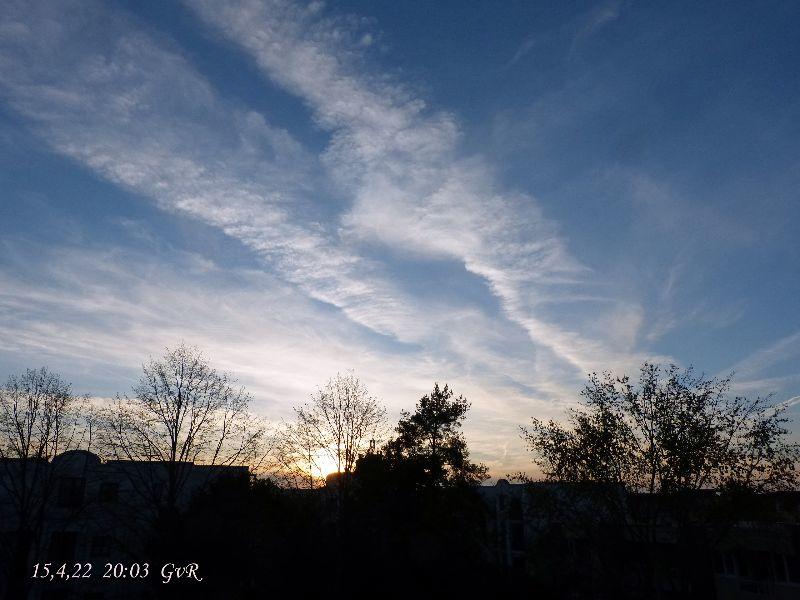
column 94, row 512
column 563, row 540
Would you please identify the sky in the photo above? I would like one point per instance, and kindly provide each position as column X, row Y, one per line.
column 502, row 196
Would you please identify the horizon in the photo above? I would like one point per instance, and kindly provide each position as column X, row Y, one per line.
column 400, row 190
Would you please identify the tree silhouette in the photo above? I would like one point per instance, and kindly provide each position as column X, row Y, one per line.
column 296, row 456
column 418, row 496
column 431, row 438
column 183, row 420
column 182, row 412
column 40, row 417
column 677, row 450
column 343, row 419
column 674, row 432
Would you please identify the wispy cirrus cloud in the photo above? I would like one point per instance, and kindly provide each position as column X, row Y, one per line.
column 770, row 367
column 578, row 29
column 96, row 313
column 114, row 108
column 131, row 108
column 127, row 104
column 400, row 163
column 599, row 17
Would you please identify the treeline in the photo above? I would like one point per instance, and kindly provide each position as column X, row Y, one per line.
column 664, row 482
column 394, row 496
column 401, row 509
column 403, row 517
column 182, row 410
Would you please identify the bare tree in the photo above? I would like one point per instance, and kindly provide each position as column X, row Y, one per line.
column 296, row 456
column 343, row 419
column 40, row 417
column 182, row 413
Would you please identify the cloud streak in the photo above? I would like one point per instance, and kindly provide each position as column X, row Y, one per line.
column 399, row 162
column 132, row 109
column 131, row 304
column 130, row 106
column 137, row 113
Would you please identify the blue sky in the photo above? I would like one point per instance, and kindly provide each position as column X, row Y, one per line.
column 504, row 197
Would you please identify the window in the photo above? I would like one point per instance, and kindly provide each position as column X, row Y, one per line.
column 719, row 567
column 109, row 490
column 517, row 537
column 101, row 546
column 778, row 567
column 793, row 566
column 724, row 563
column 515, row 509
column 7, row 538
column 754, row 564
column 518, row 563
column 62, row 546
column 70, row 491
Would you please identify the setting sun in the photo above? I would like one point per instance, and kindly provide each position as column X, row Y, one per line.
column 324, row 464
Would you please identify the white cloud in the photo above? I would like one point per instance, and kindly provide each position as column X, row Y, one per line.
column 131, row 107
column 113, row 105
column 780, row 353
column 129, row 304
column 599, row 17
column 139, row 115
column 411, row 190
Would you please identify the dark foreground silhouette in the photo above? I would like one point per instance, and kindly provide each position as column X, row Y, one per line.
column 387, row 529
column 666, row 489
